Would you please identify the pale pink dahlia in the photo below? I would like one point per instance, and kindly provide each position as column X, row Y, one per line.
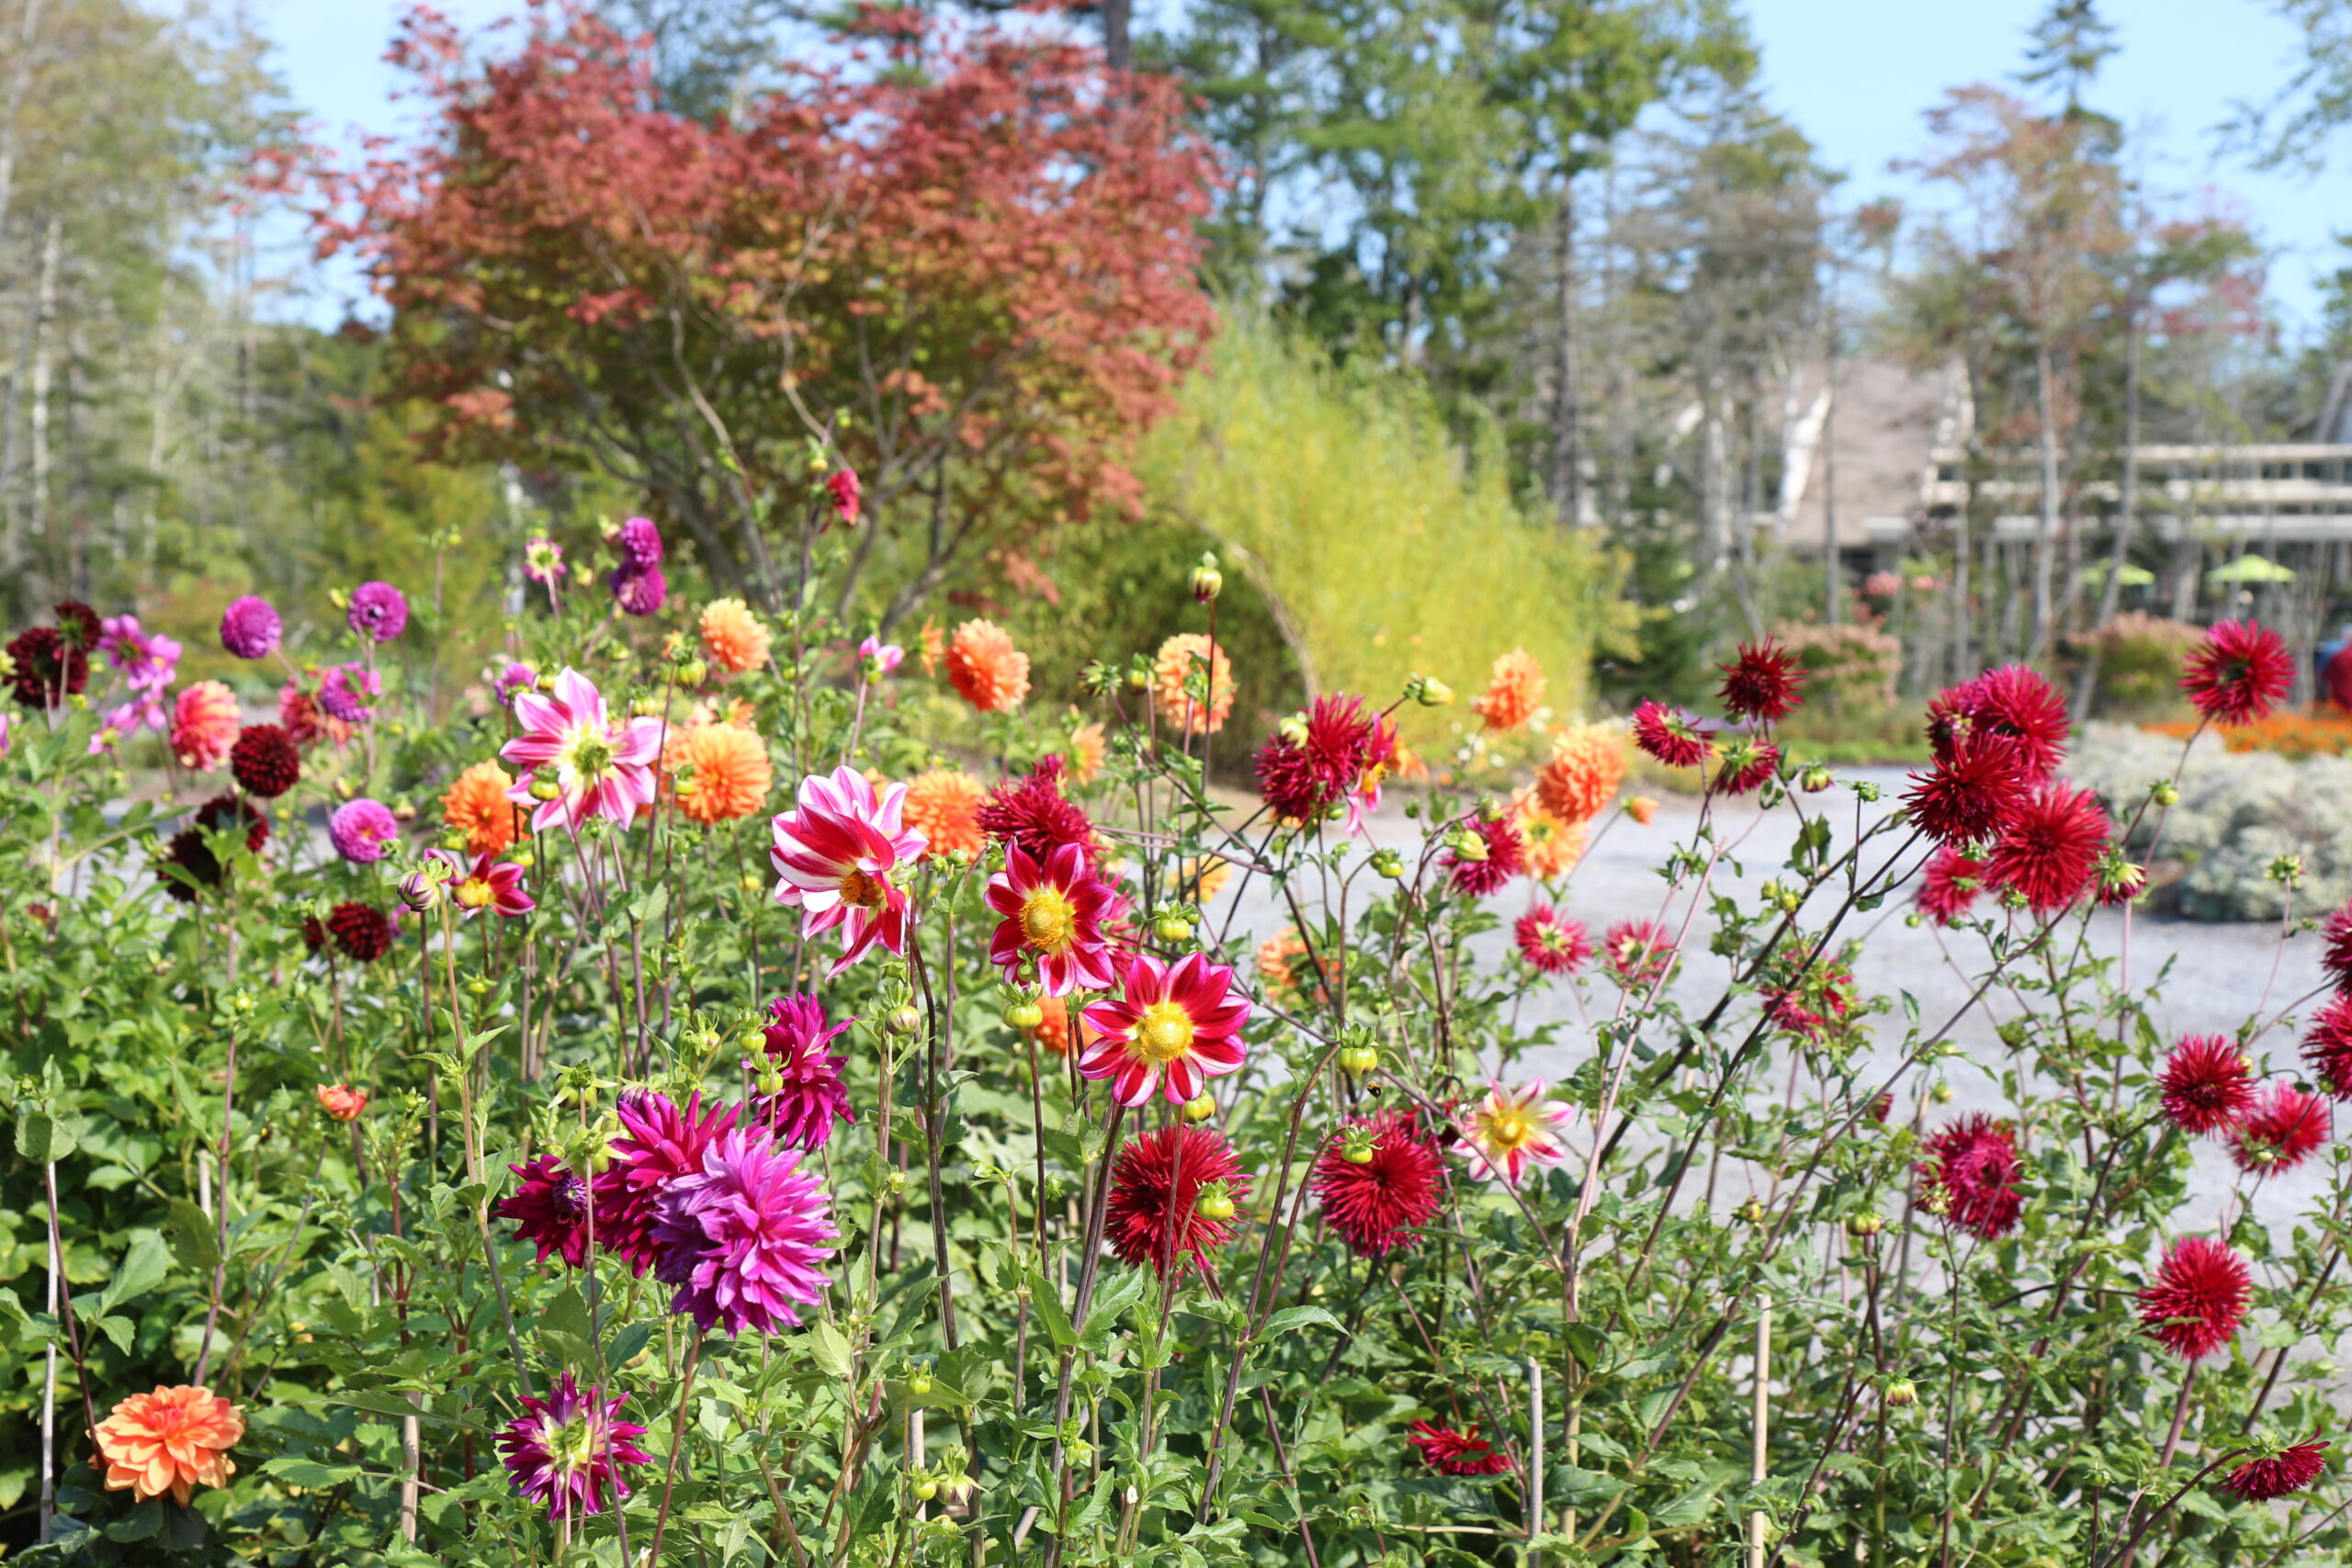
column 1511, row 1129
column 835, row 854
column 603, row 767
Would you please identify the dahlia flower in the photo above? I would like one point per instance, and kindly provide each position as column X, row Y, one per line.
column 1743, row 763
column 45, row 669
column 810, row 1098
column 543, row 560
column 637, row 544
column 173, row 1440
column 1949, row 884
column 480, row 804
column 2015, row 702
column 1179, row 1024
column 1971, row 791
column 603, row 766
column 566, row 1450
column 250, row 627
column 204, row 725
column 2291, row 1468
column 263, row 760
column 488, row 884
column 1375, row 1203
column 732, row 635
column 745, row 1237
column 729, row 775
column 942, row 806
column 2327, row 1046
column 1312, row 763
column 1761, row 683
column 2207, row 1084
column 1052, row 924
column 1143, row 1224
column 190, row 855
column 2049, row 848
column 1172, row 670
column 1451, row 1453
column 147, row 660
column 880, row 656
column 985, row 669
column 640, row 590
column 362, row 933
column 362, row 830
column 1513, row 694
column 550, row 1208
column 1035, row 815
column 658, row 1143
column 1583, row 773
column 1971, row 1165
column 1638, row 952
column 341, row 1102
column 304, row 721
column 379, row 612
column 2198, row 1298
column 1550, row 942
column 835, row 854
column 2281, row 1130
column 1502, row 855
column 1553, row 848
column 346, row 691
column 1512, row 1128
column 2336, row 959
column 2239, row 674
column 842, row 489
column 1675, row 738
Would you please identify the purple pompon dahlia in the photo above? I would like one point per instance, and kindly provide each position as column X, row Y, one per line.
column 744, row 1241
column 362, row 830
column 640, row 590
column 379, row 612
column 250, row 627
column 638, row 544
column 660, row 1144
column 803, row 1112
column 565, row 1450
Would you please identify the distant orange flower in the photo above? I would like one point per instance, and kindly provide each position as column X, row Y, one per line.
column 476, row 806
column 1086, row 753
column 1202, row 879
column 341, row 1102
column 1514, row 693
column 1053, row 1032
column 1641, row 808
column 1588, row 763
column 983, row 665
column 171, row 1440
column 733, row 637
column 1553, row 847
column 1173, row 666
column 1283, row 964
column 731, row 775
column 1406, row 764
column 940, row 805
column 934, row 647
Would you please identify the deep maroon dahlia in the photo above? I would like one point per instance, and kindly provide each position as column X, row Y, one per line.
column 47, row 667
column 550, row 1208
column 2338, row 958
column 362, row 933
column 1377, row 1201
column 1141, row 1227
column 1673, row 737
column 264, row 761
column 2275, row 1475
column 1761, row 683
column 2013, row 702
column 1972, row 1162
column 1036, row 816
column 190, row 849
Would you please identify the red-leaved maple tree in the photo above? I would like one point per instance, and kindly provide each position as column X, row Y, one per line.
column 969, row 266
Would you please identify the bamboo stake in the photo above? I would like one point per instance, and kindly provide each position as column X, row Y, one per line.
column 1755, row 1520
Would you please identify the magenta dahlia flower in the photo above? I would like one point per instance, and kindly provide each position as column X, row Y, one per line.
column 2198, row 1299
column 250, row 627
column 2207, row 1084
column 147, row 660
column 1971, row 1169
column 1178, row 1025
column 362, row 830
column 2291, row 1468
column 811, row 1097
column 1503, row 856
column 379, row 612
column 603, row 767
column 347, row 689
column 744, row 1238
column 566, row 1450
column 488, row 883
column 835, row 855
column 1053, row 921
column 1550, row 942
column 659, row 1144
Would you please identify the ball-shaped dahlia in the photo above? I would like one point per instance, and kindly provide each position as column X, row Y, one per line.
column 263, row 760
column 379, row 612
column 362, row 933
column 362, row 830
column 250, row 627
column 986, row 669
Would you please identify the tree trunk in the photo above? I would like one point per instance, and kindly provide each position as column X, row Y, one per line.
column 20, row 82
column 1118, row 50
column 1566, row 480
column 2126, row 511
column 44, row 314
column 2046, row 533
column 1833, row 575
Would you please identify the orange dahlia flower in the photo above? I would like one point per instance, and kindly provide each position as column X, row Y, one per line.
column 476, row 806
column 940, row 805
column 1588, row 763
column 1086, row 753
column 1553, row 847
column 341, row 1102
column 983, row 665
column 1202, row 878
column 1514, row 693
column 1173, row 666
column 733, row 637
column 171, row 1440
column 730, row 776
column 934, row 647
column 1054, row 1030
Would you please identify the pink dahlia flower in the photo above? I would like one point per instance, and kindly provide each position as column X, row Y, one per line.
column 835, row 854
column 603, row 767
column 659, row 1144
column 488, row 884
column 204, row 725
column 1511, row 1129
column 565, row 1450
column 744, row 1238
column 362, row 830
column 810, row 1099
column 1053, row 921
column 1179, row 1024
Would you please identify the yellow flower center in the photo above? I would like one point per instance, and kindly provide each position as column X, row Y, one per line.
column 1511, row 1129
column 1164, row 1032
column 1047, row 921
column 473, row 893
column 861, row 889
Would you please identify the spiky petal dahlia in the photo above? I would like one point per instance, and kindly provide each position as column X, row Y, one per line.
column 2197, row 1299
column 2207, row 1084
column 1502, row 855
column 2013, row 702
column 1970, row 1175
column 1176, row 1026
column 480, row 806
column 1451, row 1453
column 1673, row 737
column 1514, row 693
column 1761, row 683
column 732, row 635
column 2281, row 1130
column 1949, row 884
column 986, row 669
column 204, row 724
column 1376, row 1202
column 1035, row 814
column 659, row 1142
column 1970, row 793
column 2050, row 849
column 1550, row 942
column 744, row 1239
column 810, row 1098
column 173, row 1440
column 603, row 767
column 550, row 1208
column 565, row 1451
column 2336, row 959
column 1187, row 660
column 2239, row 674
column 1511, row 1129
column 1052, row 925
column 1583, row 773
column 1639, row 953
column 2327, row 1046
column 1743, row 763
column 942, row 806
column 1312, row 763
column 835, row 855
column 2291, row 1468
column 720, row 772
column 1145, row 1223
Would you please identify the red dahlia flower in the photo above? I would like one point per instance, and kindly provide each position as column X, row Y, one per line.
column 1035, row 815
column 263, row 760
column 2207, row 1085
column 2327, row 1047
column 2197, row 1299
column 1143, row 1224
column 550, row 1208
column 1761, row 683
column 1949, row 884
column 2050, row 848
column 1506, row 857
column 1638, row 952
column 1377, row 1203
column 1974, row 1161
column 2238, row 673
column 2280, row 1131
column 1550, row 942
column 1673, row 737
column 1450, row 1452
column 2289, row 1470
column 1053, row 921
column 362, row 933
column 1970, row 793
column 1179, row 1024
column 1745, row 763
column 2012, row 701
column 835, row 856
column 2338, row 960
column 1308, row 765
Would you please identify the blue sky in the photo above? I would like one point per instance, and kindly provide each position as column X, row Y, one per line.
column 1855, row 76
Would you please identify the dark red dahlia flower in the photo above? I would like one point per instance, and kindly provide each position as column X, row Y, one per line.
column 2206, row 1085
column 1949, row 884
column 1036, row 815
column 362, row 933
column 1550, row 942
column 549, row 1206
column 659, row 1142
column 49, row 668
column 1970, row 793
column 1673, row 737
column 264, row 761
column 1761, row 683
column 2013, row 702
column 1375, row 1203
column 1506, row 857
column 2238, row 673
column 79, row 625
column 1140, row 1226
column 2338, row 960
column 1450, row 1452
column 1972, row 1162
column 2049, row 850
column 190, row 849
column 2289, row 1470
column 1745, row 763
column 2197, row 1299
column 2282, row 1130
column 1305, row 767
column 2327, row 1047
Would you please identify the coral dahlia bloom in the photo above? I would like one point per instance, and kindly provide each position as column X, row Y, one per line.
column 1053, row 921
column 1972, row 1162
column 2050, row 849
column 1087, row 752
column 2207, row 1084
column 1505, row 857
column 1675, row 738
column 204, row 724
column 2327, row 1046
column 1312, row 763
column 1513, row 694
column 1761, row 683
column 731, row 773
column 835, row 854
column 1582, row 775
column 341, row 1102
column 566, row 1450
column 1509, row 1130
column 1035, row 814
column 550, row 1208
column 659, row 1142
column 2289, row 1470
column 1451, row 1453
column 1375, row 1204
column 1550, row 942
column 942, row 806
column 173, row 1440
column 744, row 1239
column 1639, row 953
column 480, row 804
column 2283, row 1129
column 1175, row 1025
column 1175, row 664
column 2239, row 674
column 1949, row 884
column 810, row 1098
column 1552, row 846
column 2198, row 1298
column 732, row 635
column 603, row 766
column 983, row 665
column 1145, row 1223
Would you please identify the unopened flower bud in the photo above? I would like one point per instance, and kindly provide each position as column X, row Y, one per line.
column 1752, row 1212
column 2166, row 793
column 903, row 1021
column 1207, row 581
column 1387, row 863
column 1940, row 1094
column 1468, row 847
column 1902, row 1393
column 1293, row 730
column 646, row 706
column 691, row 674
column 1214, row 1201
column 1863, row 1226
column 1429, row 691
column 420, row 890
column 1816, row 779
column 1200, row 1106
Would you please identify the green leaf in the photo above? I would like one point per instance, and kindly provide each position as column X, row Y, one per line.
column 195, row 1242
column 145, row 1265
column 1048, row 1304
column 45, row 1137
column 120, row 1330
column 1110, row 1305
column 296, row 1471
column 830, row 1346
column 1292, row 1319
